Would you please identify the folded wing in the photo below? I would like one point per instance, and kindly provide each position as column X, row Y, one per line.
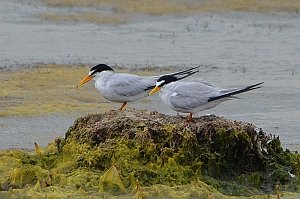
column 189, row 95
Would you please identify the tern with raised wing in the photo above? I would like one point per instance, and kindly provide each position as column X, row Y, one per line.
column 193, row 97
column 123, row 87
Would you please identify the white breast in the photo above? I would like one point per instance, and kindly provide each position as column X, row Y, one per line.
column 102, row 84
column 166, row 92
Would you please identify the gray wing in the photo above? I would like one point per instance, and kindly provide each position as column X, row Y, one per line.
column 131, row 85
column 189, row 95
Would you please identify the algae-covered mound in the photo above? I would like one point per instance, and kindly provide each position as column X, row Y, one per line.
column 138, row 154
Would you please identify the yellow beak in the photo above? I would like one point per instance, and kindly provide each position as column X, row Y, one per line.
column 84, row 80
column 156, row 88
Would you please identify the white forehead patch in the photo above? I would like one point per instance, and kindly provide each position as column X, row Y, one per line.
column 90, row 72
column 160, row 83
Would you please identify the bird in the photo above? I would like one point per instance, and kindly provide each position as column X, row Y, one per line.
column 193, row 97
column 124, row 87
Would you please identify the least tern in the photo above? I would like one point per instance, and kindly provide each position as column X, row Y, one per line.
column 193, row 97
column 123, row 87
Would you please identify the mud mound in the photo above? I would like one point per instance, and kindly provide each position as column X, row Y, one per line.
column 160, row 149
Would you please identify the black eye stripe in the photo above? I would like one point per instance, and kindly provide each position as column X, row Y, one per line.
column 166, row 80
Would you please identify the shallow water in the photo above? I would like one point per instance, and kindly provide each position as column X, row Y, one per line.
column 240, row 49
column 22, row 132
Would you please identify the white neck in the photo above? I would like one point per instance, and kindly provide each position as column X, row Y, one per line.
column 168, row 86
column 102, row 76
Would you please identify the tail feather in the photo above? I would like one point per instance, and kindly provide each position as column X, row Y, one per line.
column 248, row 88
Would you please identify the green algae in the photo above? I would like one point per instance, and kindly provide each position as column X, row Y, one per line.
column 149, row 155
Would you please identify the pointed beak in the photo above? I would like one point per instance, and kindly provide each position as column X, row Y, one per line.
column 84, row 80
column 154, row 90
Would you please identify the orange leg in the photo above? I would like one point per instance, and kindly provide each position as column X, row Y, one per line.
column 122, row 107
column 190, row 117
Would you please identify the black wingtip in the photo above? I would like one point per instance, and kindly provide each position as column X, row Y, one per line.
column 187, row 75
column 248, row 88
column 254, row 85
column 185, row 71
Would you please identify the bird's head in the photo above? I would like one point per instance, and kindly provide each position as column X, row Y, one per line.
column 162, row 81
column 94, row 72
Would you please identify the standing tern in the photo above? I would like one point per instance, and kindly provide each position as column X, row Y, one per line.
column 193, row 97
column 123, row 87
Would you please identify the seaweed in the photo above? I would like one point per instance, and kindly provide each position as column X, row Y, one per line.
column 138, row 154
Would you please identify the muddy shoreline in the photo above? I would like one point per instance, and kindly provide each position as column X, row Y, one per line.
column 26, row 107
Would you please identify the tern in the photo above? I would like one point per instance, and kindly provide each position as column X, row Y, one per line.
column 193, row 97
column 123, row 87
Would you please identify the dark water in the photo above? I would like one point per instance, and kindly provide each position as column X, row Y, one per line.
column 240, row 49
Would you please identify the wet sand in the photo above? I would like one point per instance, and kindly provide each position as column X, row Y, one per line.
column 240, row 48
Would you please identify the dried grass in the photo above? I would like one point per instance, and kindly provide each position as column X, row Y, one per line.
column 123, row 8
column 253, row 5
column 149, row 7
column 160, row 7
column 85, row 17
